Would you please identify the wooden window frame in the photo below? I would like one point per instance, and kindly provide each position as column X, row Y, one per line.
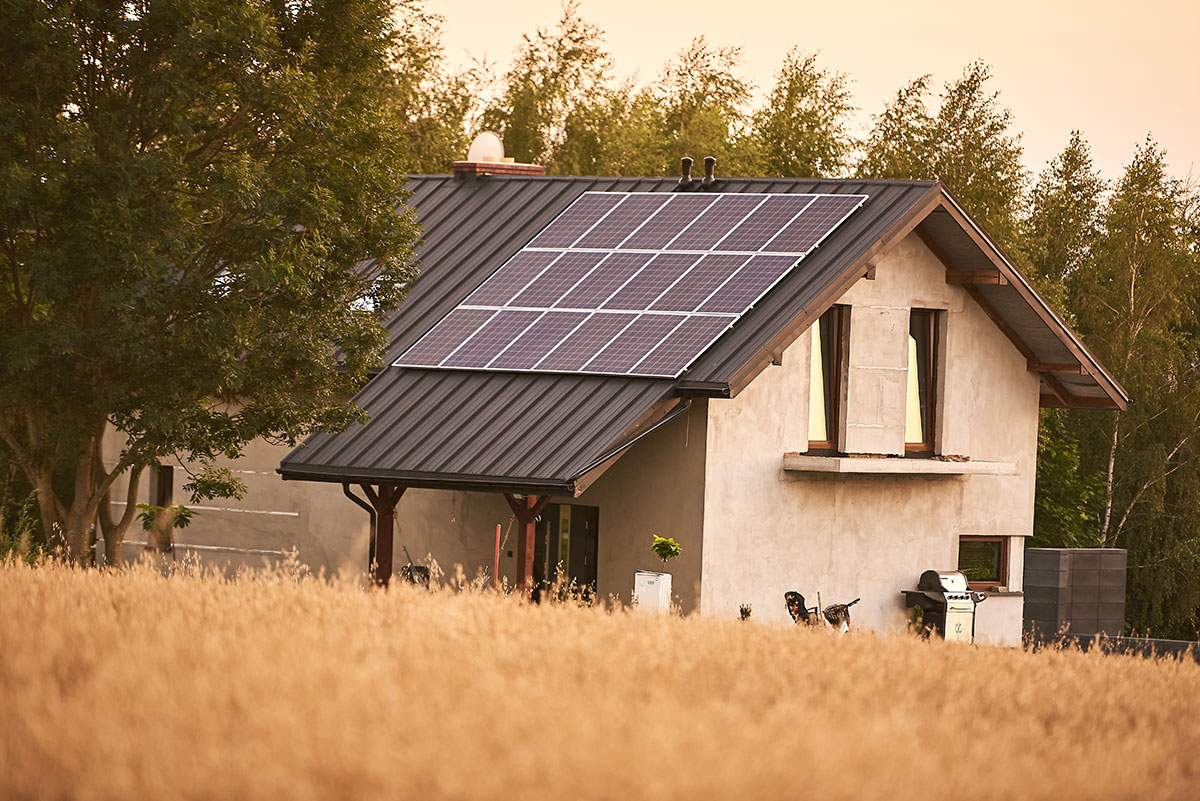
column 927, row 448
column 836, row 370
column 1002, row 579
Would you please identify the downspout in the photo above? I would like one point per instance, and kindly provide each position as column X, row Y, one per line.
column 370, row 511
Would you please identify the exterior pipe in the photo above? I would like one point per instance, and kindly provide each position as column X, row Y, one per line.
column 370, row 511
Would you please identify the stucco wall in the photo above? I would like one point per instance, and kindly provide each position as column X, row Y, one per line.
column 328, row 531
column 767, row 530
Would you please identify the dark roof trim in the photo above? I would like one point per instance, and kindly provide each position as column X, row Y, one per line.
column 469, row 483
column 602, row 462
column 939, row 197
column 1116, row 393
column 850, row 276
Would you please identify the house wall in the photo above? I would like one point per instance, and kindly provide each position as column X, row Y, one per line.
column 767, row 530
column 328, row 532
column 656, row 487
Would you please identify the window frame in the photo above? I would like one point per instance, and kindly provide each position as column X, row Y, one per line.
column 839, row 319
column 1002, row 578
column 930, row 365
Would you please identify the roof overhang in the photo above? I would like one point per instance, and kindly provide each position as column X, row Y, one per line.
column 1072, row 376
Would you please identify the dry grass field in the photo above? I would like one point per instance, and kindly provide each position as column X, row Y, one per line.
column 138, row 686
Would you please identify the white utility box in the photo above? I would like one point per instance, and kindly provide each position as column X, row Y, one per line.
column 652, row 591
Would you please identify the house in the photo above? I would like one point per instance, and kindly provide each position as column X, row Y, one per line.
column 871, row 415
column 838, row 426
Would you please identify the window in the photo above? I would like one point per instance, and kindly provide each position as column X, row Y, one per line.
column 922, row 381
column 827, row 365
column 984, row 561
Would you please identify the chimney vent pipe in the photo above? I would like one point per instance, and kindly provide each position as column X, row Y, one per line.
column 685, row 180
column 710, row 180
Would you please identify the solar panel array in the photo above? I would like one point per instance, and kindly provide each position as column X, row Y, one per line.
column 631, row 283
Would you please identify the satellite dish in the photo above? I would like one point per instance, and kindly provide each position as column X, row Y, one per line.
column 486, row 147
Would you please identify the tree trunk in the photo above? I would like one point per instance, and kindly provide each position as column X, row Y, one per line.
column 1108, row 481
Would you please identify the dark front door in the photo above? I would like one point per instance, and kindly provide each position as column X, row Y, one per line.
column 567, row 541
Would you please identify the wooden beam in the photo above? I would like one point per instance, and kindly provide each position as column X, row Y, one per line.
column 1078, row 402
column 975, row 277
column 1066, row 368
column 1056, row 388
column 384, row 500
column 526, row 510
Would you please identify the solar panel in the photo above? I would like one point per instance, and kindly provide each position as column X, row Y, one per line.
column 637, row 283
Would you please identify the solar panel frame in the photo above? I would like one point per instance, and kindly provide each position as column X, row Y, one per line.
column 600, row 266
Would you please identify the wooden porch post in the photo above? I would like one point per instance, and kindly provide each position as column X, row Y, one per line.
column 526, row 510
column 384, row 501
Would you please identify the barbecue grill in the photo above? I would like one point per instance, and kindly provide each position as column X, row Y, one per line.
column 948, row 604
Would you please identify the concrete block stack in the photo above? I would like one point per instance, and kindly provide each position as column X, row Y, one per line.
column 1075, row 591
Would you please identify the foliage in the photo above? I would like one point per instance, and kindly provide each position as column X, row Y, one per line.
column 665, row 548
column 967, row 145
column 175, row 516
column 1136, row 306
column 430, row 102
column 555, row 74
column 185, row 189
column 715, row 700
column 803, row 127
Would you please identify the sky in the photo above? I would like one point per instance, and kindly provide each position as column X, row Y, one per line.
column 1114, row 70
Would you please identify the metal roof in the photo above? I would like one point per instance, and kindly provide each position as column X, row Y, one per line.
column 526, row 432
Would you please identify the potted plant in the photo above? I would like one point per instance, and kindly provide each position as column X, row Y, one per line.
column 652, row 589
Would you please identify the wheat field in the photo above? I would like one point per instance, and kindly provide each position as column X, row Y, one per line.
column 136, row 685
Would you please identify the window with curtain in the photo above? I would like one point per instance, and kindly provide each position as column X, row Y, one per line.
column 922, row 365
column 827, row 365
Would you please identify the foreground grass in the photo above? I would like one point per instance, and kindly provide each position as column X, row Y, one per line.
column 138, row 686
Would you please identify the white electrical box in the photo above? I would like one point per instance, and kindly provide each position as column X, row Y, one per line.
column 652, row 591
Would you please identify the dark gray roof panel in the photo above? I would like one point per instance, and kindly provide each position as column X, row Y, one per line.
column 483, row 428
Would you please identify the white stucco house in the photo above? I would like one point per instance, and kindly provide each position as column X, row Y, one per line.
column 861, row 409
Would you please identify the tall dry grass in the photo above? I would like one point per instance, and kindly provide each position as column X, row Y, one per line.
column 134, row 685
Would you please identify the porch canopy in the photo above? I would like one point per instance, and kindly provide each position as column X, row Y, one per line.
column 537, row 434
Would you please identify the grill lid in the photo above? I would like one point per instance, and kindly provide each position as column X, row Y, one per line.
column 949, row 581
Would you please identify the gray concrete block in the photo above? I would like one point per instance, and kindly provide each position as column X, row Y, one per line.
column 1084, row 627
column 1047, row 595
column 1085, row 594
column 1045, row 578
column 1084, row 578
column 1111, row 610
column 1085, row 559
column 1113, row 559
column 1040, row 611
column 1111, row 595
column 1113, row 628
column 1081, row 610
column 1045, row 558
column 1112, row 578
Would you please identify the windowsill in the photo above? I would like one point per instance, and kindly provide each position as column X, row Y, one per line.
column 996, row 592
column 893, row 466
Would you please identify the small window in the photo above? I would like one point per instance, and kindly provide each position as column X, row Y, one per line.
column 827, row 365
column 922, row 381
column 984, row 561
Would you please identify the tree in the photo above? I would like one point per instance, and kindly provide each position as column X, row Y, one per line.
column 430, row 103
column 555, row 72
column 802, row 130
column 1060, row 232
column 1136, row 305
column 185, row 190
column 1064, row 218
column 966, row 145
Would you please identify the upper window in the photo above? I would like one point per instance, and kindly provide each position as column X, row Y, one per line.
column 984, row 561
column 828, row 358
column 922, row 381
